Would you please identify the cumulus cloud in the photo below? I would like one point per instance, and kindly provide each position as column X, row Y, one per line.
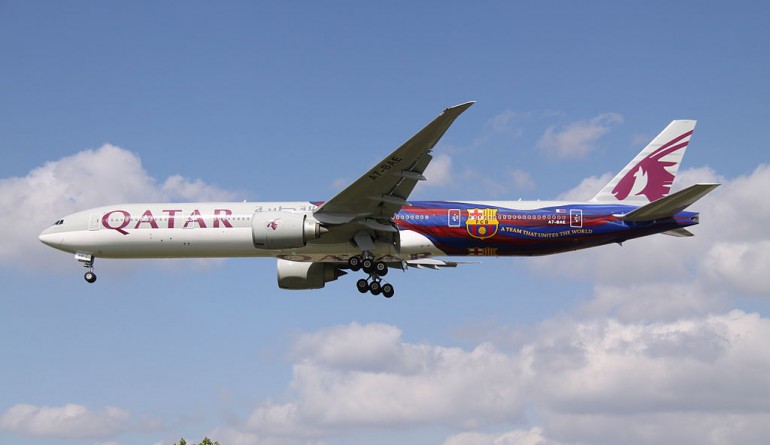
column 522, row 180
column 502, row 125
column 742, row 266
column 63, row 421
column 86, row 179
column 533, row 436
column 366, row 376
column 652, row 300
column 568, row 373
column 577, row 139
column 439, row 171
column 587, row 188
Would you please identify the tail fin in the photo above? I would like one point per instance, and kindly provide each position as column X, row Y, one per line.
column 649, row 176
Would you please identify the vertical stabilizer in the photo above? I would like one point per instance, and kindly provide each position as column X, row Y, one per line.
column 649, row 176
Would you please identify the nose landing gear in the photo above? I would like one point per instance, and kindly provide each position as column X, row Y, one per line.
column 90, row 276
column 88, row 262
column 376, row 270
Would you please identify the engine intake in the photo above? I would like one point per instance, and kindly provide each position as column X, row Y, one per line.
column 295, row 275
column 283, row 230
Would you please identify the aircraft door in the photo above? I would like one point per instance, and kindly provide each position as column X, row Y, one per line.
column 94, row 221
column 576, row 218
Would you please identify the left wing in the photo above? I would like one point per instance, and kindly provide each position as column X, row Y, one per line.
column 381, row 192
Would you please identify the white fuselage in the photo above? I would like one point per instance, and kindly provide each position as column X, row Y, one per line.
column 195, row 230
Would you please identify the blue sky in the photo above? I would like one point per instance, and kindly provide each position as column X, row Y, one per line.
column 660, row 341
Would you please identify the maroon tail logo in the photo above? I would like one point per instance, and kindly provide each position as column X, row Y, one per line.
column 273, row 224
column 651, row 174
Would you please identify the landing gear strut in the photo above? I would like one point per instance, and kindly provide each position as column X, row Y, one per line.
column 88, row 262
column 376, row 270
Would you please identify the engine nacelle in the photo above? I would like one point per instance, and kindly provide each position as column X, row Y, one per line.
column 283, row 230
column 299, row 276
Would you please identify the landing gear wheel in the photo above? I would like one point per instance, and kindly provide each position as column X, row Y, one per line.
column 387, row 290
column 362, row 286
column 368, row 265
column 90, row 276
column 380, row 268
column 354, row 263
column 375, row 288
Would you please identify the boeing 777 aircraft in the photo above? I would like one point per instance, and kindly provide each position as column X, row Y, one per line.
column 371, row 225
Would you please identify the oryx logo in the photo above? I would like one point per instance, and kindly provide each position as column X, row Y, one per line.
column 273, row 224
column 650, row 176
column 482, row 223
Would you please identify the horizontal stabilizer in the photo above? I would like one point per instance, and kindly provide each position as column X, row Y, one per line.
column 670, row 205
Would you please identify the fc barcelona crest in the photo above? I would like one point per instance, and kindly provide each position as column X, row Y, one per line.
column 482, row 223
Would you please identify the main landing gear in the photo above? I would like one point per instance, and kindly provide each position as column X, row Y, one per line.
column 376, row 270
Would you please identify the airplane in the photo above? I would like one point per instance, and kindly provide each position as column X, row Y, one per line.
column 371, row 226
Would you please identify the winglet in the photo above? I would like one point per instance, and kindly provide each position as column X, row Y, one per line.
column 459, row 108
column 670, row 205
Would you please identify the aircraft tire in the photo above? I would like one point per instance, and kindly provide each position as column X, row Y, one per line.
column 90, row 277
column 375, row 288
column 354, row 263
column 387, row 290
column 367, row 265
column 380, row 268
column 362, row 286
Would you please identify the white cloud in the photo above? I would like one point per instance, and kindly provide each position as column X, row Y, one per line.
column 86, row 179
column 439, row 171
column 629, row 381
column 502, row 124
column 522, row 180
column 342, row 383
column 652, row 301
column 742, row 266
column 587, row 188
column 533, row 436
column 370, row 347
column 577, row 139
column 65, row 421
column 669, row 428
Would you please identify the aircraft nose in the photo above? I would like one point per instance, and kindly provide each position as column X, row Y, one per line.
column 48, row 238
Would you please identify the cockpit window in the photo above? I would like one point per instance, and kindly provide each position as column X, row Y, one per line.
column 59, row 222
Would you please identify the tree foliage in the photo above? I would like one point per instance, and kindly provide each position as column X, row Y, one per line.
column 205, row 441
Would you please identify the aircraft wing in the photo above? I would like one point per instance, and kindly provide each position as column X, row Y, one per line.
column 381, row 192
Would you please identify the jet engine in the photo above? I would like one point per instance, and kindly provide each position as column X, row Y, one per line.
column 299, row 276
column 283, row 230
